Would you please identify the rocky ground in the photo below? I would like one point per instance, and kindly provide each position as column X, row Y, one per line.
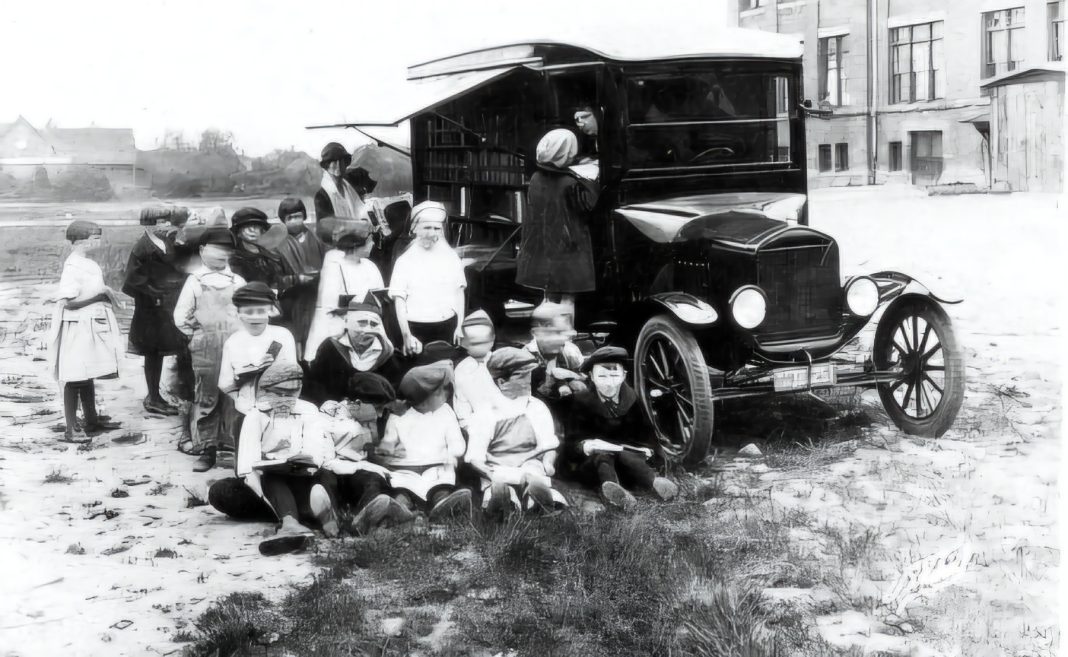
column 945, row 547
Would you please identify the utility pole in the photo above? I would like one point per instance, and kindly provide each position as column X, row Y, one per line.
column 873, row 94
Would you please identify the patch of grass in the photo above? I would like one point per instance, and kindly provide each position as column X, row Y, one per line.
column 233, row 625
column 161, row 488
column 57, row 477
column 193, row 499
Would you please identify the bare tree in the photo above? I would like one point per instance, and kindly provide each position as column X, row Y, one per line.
column 213, row 139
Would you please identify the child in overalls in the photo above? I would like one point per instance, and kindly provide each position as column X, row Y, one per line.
column 205, row 314
column 513, row 445
column 84, row 337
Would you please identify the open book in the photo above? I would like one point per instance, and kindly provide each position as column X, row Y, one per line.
column 296, row 464
column 588, row 170
column 347, row 467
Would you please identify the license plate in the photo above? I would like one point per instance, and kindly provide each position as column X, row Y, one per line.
column 796, row 378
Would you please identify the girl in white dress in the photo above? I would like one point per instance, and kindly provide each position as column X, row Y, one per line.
column 84, row 339
column 346, row 271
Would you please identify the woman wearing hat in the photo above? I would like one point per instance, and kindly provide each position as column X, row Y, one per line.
column 84, row 338
column 428, row 283
column 154, row 278
column 361, row 347
column 336, row 196
column 556, row 254
column 205, row 314
column 347, row 271
column 251, row 261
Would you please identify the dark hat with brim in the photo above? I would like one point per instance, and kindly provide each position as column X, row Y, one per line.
column 333, row 152
column 606, row 355
column 218, row 236
column 247, row 216
column 254, row 294
column 347, row 303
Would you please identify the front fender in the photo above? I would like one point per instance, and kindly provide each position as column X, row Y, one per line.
column 894, row 284
column 687, row 308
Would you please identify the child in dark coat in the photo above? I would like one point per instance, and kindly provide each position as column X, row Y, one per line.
column 608, row 442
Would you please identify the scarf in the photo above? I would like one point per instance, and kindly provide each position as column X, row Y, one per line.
column 346, row 201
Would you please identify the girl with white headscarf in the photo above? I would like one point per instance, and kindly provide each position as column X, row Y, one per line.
column 428, row 283
column 556, row 254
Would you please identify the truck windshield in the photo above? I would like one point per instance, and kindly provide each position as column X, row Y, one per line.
column 714, row 116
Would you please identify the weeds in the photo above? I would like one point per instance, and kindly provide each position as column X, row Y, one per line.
column 161, row 488
column 57, row 477
column 193, row 499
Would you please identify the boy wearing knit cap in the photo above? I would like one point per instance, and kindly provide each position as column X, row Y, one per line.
column 422, row 447
column 205, row 314
column 608, row 442
column 513, row 446
column 474, row 389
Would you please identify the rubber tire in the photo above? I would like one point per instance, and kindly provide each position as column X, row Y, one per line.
column 697, row 372
column 953, row 396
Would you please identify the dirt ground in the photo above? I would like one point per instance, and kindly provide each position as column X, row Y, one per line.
column 942, row 547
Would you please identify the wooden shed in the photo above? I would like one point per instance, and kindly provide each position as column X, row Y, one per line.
column 1027, row 129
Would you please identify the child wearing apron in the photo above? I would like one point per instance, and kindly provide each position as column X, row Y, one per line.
column 84, row 338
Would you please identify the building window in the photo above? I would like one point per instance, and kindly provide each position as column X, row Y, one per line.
column 1003, row 41
column 917, row 63
column 841, row 157
column 1055, row 32
column 895, row 156
column 825, row 157
column 832, row 71
column 746, row 5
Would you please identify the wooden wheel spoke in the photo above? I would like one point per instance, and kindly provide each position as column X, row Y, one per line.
column 900, row 349
column 663, row 360
column 908, row 396
column 651, row 359
column 916, row 332
column 905, row 338
column 937, row 387
column 931, row 352
column 688, row 417
column 921, row 394
column 934, row 368
column 897, row 385
column 684, row 398
column 923, row 340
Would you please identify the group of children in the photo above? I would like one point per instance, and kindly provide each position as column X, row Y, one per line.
column 345, row 419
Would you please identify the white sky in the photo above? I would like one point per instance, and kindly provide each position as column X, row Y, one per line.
column 262, row 69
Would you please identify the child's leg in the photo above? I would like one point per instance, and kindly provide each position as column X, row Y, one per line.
column 278, row 492
column 71, row 390
column 87, row 392
column 153, row 373
column 599, row 467
column 635, row 471
column 236, row 500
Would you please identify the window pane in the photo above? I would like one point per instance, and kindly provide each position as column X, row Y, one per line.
column 1017, row 16
column 999, row 47
column 899, row 59
column 938, row 63
column 936, row 30
column 921, row 32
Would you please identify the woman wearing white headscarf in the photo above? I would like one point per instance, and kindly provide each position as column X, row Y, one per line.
column 556, row 254
column 428, row 283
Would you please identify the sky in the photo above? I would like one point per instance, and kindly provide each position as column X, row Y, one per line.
column 262, row 69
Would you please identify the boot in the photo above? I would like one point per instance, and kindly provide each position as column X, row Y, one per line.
column 205, row 461
column 374, row 513
column 456, row 503
column 616, row 496
column 539, row 498
column 323, row 510
column 665, row 488
column 502, row 501
column 290, row 537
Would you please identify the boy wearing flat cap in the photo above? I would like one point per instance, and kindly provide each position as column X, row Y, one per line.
column 475, row 390
column 205, row 314
column 608, row 442
column 280, row 459
column 253, row 348
column 513, row 446
column 250, row 260
column 347, row 271
column 422, row 447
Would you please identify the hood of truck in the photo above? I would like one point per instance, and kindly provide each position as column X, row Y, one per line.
column 743, row 220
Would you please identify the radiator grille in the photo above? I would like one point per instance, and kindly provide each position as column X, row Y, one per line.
column 804, row 293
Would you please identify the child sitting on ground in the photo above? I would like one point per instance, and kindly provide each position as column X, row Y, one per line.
column 281, row 451
column 513, row 446
column 422, row 447
column 474, row 390
column 556, row 375
column 608, row 442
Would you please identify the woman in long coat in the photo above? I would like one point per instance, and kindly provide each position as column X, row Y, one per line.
column 556, row 254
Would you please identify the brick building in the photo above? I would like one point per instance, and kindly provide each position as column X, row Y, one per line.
column 907, row 86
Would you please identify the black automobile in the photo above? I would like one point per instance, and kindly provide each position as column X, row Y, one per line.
column 707, row 268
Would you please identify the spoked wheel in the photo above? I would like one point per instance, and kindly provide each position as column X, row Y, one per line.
column 672, row 383
column 916, row 336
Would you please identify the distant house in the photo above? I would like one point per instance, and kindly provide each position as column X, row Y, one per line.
column 26, row 152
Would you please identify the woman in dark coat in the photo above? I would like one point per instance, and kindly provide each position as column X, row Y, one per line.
column 251, row 261
column 154, row 278
column 556, row 254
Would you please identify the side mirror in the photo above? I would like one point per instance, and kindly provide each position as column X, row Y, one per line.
column 807, row 104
